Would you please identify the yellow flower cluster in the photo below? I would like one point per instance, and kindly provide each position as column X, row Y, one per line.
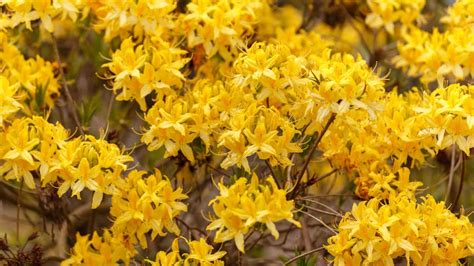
column 200, row 253
column 438, row 55
column 271, row 96
column 387, row 13
column 261, row 131
column 221, row 26
column 243, row 205
column 411, row 126
column 146, row 204
column 107, row 249
column 153, row 68
column 448, row 113
column 384, row 183
column 32, row 81
column 9, row 104
column 33, row 147
column 248, row 87
column 28, row 11
column 368, row 147
column 426, row 233
column 140, row 18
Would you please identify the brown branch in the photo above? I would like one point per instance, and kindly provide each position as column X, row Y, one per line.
column 18, row 207
column 451, row 172
column 323, row 211
column 311, row 152
column 320, row 221
column 361, row 36
column 313, row 181
column 461, row 181
column 71, row 103
column 305, row 234
column 273, row 174
column 304, row 255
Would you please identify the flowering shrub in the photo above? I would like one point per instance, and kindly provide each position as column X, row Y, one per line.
column 212, row 132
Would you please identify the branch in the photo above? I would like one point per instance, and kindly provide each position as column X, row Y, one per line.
column 451, row 172
column 304, row 255
column 71, row 103
column 320, row 221
column 311, row 152
column 461, row 182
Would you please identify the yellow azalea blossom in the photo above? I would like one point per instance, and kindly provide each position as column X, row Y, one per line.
column 33, row 144
column 8, row 103
column 242, row 205
column 141, row 18
column 35, row 80
column 200, row 253
column 449, row 116
column 424, row 233
column 45, row 10
column 141, row 205
column 386, row 13
column 149, row 69
column 16, row 160
column 442, row 54
column 221, row 26
column 108, row 249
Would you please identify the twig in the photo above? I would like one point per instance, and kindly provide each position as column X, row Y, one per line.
column 428, row 188
column 190, row 228
column 18, row 207
column 320, row 221
column 313, row 181
column 321, row 204
column 451, row 172
column 71, row 102
column 461, row 181
column 305, row 234
column 217, row 170
column 361, row 36
column 304, row 255
column 311, row 152
column 273, row 174
column 110, row 106
column 323, row 211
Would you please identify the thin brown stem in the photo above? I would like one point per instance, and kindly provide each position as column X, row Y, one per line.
column 320, row 221
column 217, row 170
column 451, row 172
column 311, row 152
column 323, row 211
column 71, row 103
column 273, row 173
column 315, row 180
column 18, row 208
column 461, row 182
column 361, row 36
column 321, row 204
column 304, row 255
column 305, row 234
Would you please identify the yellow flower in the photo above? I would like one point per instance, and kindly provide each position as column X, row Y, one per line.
column 152, row 68
column 108, row 249
column 8, row 104
column 385, row 13
column 200, row 251
column 377, row 233
column 142, row 205
column 243, row 205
